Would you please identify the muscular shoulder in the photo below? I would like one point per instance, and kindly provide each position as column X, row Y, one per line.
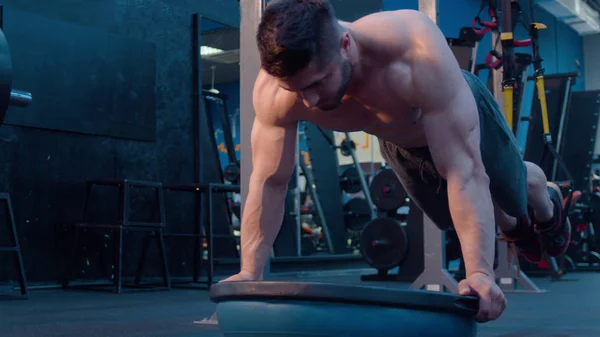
column 272, row 104
column 419, row 55
column 397, row 31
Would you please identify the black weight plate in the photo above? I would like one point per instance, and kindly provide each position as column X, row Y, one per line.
column 351, row 294
column 236, row 209
column 350, row 181
column 357, row 213
column 386, row 191
column 346, row 147
column 232, row 172
column 308, row 246
column 5, row 76
column 384, row 243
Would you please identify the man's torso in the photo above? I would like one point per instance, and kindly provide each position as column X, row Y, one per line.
column 383, row 107
column 382, row 113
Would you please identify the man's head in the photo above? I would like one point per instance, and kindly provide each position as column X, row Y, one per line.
column 302, row 45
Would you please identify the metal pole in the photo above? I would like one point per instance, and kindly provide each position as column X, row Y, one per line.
column 363, row 181
column 371, row 145
column 561, row 126
column 474, row 58
column 312, row 188
column 297, row 204
column 431, row 9
column 251, row 12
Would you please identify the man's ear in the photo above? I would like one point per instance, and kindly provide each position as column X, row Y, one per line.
column 346, row 43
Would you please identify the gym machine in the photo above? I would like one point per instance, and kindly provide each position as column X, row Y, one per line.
column 324, row 226
column 584, row 249
column 231, row 172
column 10, row 97
column 577, row 148
column 465, row 48
column 339, row 219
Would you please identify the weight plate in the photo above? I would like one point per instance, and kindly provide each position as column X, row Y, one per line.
column 236, row 209
column 232, row 172
column 346, row 147
column 308, row 246
column 386, row 191
column 384, row 243
column 350, row 181
column 5, row 76
column 357, row 214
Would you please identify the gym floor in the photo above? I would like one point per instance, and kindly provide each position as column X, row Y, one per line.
column 569, row 308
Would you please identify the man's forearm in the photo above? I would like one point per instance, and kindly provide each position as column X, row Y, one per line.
column 472, row 212
column 261, row 222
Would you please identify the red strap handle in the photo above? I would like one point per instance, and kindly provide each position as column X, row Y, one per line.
column 493, row 64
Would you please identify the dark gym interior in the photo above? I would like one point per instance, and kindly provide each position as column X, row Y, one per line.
column 121, row 174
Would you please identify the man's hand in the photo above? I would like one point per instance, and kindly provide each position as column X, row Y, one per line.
column 491, row 298
column 242, row 276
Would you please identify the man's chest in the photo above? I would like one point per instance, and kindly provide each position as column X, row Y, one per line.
column 394, row 121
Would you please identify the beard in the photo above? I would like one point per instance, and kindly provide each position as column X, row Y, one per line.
column 336, row 101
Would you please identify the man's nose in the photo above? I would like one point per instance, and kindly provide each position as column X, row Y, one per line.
column 310, row 99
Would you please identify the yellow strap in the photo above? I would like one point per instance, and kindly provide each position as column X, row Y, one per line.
column 539, row 25
column 508, row 105
column 506, row 36
column 541, row 89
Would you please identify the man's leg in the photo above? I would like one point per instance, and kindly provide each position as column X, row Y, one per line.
column 537, row 198
column 537, row 193
column 545, row 201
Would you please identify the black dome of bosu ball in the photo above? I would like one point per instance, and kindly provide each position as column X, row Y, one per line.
column 277, row 309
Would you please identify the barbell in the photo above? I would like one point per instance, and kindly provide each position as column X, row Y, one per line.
column 8, row 95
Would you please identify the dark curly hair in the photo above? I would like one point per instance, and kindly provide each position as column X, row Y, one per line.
column 292, row 33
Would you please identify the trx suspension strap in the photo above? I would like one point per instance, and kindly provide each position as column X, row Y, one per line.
column 510, row 8
column 508, row 61
column 507, row 15
column 534, row 29
column 511, row 86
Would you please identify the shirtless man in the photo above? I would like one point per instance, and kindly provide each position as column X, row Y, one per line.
column 392, row 74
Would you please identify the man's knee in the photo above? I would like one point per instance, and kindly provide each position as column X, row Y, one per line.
column 536, row 178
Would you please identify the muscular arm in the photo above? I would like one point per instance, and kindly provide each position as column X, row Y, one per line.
column 273, row 153
column 451, row 124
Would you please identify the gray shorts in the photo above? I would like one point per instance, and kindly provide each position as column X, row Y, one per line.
column 501, row 158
